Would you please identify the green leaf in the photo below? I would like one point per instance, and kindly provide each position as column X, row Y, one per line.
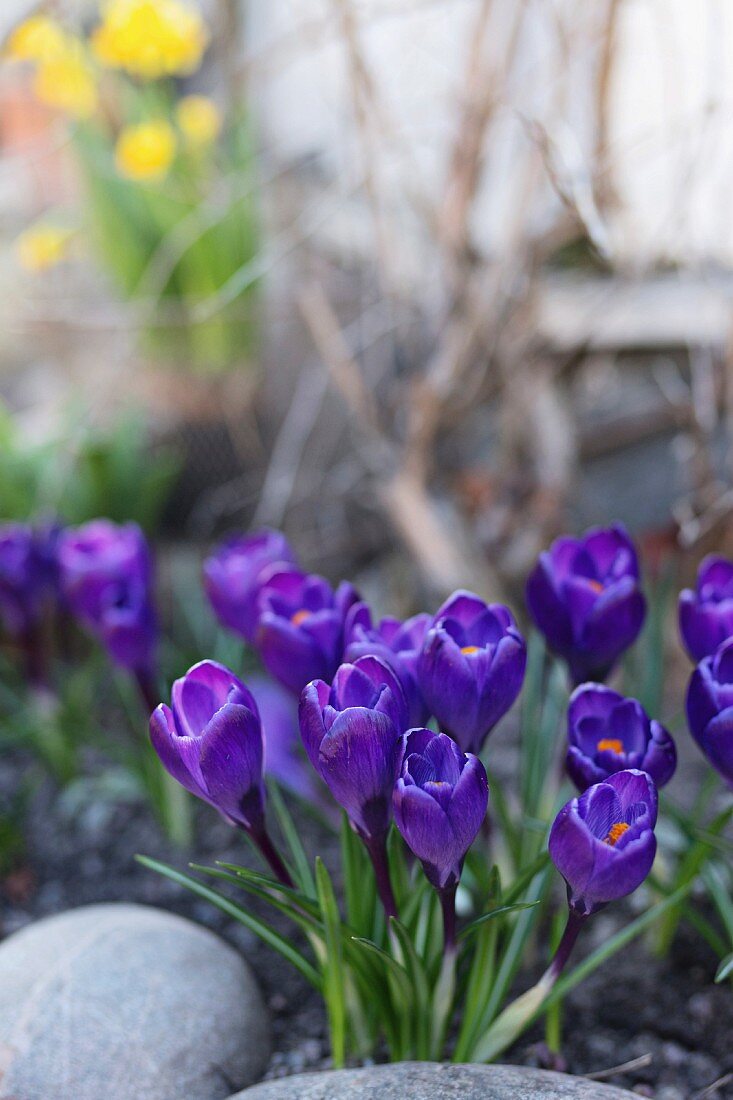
column 420, row 988
column 259, row 878
column 725, row 970
column 476, row 924
column 514, row 951
column 286, row 906
column 718, row 889
column 264, row 931
column 334, row 985
column 517, row 1016
column 690, row 867
column 300, row 863
column 359, row 890
column 523, row 879
column 612, row 946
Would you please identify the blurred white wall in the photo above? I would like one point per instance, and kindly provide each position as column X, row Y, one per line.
column 671, row 123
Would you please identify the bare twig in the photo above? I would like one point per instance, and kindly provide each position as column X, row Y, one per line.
column 626, row 1067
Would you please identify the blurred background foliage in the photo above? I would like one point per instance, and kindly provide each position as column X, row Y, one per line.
column 422, row 282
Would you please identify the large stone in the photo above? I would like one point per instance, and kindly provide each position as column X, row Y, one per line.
column 432, row 1081
column 125, row 1002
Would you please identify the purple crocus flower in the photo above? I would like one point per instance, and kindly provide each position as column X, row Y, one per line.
column 608, row 733
column 106, row 578
column 710, row 709
column 232, row 577
column 300, row 636
column 398, row 643
column 210, row 740
column 603, row 842
column 584, row 596
column 706, row 613
column 440, row 801
column 284, row 757
column 26, row 577
column 471, row 667
column 351, row 732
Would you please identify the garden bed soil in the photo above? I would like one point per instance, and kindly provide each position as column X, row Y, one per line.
column 664, row 1011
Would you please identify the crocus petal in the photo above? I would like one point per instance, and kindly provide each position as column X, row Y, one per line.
column 613, row 624
column 289, row 654
column 572, row 850
column 584, row 596
column 618, row 872
column 310, row 717
column 468, row 804
column 358, row 762
column 549, row 612
column 718, row 743
column 471, row 673
column 231, row 764
column 427, row 830
column 168, row 745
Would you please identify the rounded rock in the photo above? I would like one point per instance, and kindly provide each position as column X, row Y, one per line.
column 126, row 1002
column 433, row 1081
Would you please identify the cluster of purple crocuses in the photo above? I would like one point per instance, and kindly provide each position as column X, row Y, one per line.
column 101, row 572
column 367, row 691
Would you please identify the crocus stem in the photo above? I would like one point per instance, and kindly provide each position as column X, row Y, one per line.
column 448, row 906
column 146, row 685
column 567, row 943
column 270, row 853
column 510, row 1024
column 33, row 643
column 377, row 849
column 445, row 988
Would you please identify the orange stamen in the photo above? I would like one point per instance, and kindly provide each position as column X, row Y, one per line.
column 615, row 833
column 299, row 617
column 610, row 743
column 596, row 586
column 469, row 649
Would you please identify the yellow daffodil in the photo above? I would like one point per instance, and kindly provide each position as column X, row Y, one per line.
column 150, row 38
column 39, row 38
column 42, row 247
column 199, row 120
column 146, row 151
column 66, row 81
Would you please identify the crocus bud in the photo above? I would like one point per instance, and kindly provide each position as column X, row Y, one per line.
column 232, row 577
column 398, row 644
column 300, row 635
column 26, row 576
column 351, row 732
column 706, row 613
column 584, row 596
column 471, row 667
column 608, row 733
column 106, row 578
column 210, row 740
column 603, row 842
column 440, row 801
column 710, row 709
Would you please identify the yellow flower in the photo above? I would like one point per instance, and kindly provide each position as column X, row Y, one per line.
column 66, row 81
column 146, row 151
column 199, row 120
column 150, row 38
column 42, row 247
column 36, row 39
